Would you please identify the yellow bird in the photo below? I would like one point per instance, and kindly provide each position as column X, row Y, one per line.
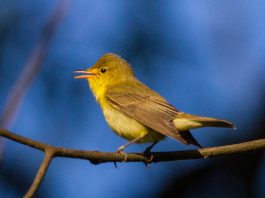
column 136, row 112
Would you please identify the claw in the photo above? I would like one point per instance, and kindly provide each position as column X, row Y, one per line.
column 149, row 155
column 150, row 158
column 147, row 165
column 120, row 151
column 115, row 164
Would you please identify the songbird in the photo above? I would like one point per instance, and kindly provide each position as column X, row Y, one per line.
column 136, row 112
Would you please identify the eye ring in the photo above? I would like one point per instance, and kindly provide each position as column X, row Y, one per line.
column 103, row 70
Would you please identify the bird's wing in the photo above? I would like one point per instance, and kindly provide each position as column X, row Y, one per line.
column 145, row 106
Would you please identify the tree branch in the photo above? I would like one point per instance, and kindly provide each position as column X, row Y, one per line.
column 102, row 157
column 97, row 157
column 40, row 174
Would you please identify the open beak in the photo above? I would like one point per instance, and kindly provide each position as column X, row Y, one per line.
column 85, row 74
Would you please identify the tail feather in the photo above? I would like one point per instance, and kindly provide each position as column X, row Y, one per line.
column 188, row 138
column 185, row 121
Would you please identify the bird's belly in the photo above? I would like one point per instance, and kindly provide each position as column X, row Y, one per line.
column 129, row 128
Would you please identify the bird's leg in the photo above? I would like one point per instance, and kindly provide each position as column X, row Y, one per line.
column 148, row 149
column 121, row 148
column 147, row 152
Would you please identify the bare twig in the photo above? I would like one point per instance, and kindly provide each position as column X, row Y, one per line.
column 41, row 173
column 96, row 157
column 101, row 157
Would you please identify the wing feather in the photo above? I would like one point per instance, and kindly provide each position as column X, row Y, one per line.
column 145, row 106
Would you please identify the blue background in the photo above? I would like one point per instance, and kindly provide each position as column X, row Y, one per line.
column 205, row 57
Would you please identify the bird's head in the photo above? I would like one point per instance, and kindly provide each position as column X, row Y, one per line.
column 109, row 70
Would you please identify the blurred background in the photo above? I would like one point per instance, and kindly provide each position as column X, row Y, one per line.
column 204, row 57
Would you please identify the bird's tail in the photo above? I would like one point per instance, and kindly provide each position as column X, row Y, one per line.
column 187, row 138
column 185, row 122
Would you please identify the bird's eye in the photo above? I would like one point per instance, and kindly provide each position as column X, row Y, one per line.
column 103, row 70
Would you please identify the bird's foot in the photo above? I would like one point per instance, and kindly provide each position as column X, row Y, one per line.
column 120, row 151
column 149, row 161
column 149, row 156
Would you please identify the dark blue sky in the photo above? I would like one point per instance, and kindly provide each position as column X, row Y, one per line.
column 205, row 57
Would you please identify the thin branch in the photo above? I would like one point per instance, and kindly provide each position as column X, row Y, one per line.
column 97, row 157
column 41, row 173
column 101, row 157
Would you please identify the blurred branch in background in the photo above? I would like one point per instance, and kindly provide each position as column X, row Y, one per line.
column 32, row 67
column 96, row 157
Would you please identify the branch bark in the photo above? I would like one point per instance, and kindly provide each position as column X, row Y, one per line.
column 97, row 157
column 40, row 174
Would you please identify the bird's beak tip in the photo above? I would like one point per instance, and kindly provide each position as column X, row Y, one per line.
column 85, row 74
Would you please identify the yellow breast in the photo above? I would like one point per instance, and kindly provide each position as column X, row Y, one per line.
column 127, row 127
column 124, row 126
